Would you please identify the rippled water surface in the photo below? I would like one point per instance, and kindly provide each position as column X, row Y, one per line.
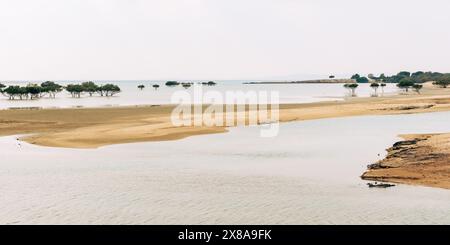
column 309, row 174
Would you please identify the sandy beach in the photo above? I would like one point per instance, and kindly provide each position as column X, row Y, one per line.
column 96, row 127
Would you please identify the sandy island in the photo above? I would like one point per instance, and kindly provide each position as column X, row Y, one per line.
column 96, row 127
column 418, row 160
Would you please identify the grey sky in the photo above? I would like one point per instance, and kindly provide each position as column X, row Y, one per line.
column 220, row 39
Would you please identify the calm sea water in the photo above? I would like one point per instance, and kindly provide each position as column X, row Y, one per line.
column 131, row 95
column 309, row 174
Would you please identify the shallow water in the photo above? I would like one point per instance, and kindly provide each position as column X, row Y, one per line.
column 131, row 95
column 308, row 174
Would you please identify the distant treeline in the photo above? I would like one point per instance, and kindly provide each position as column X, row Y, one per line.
column 442, row 79
column 50, row 89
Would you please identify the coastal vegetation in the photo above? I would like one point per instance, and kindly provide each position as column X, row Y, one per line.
column 31, row 91
column 406, row 84
column 417, row 87
column 50, row 89
column 172, row 83
column 186, row 85
column 382, row 85
column 141, row 87
column 444, row 82
column 210, row 83
column 75, row 90
column 107, row 90
column 415, row 77
column 155, row 86
column 405, row 80
column 352, row 88
column 359, row 79
column 90, row 87
column 375, row 87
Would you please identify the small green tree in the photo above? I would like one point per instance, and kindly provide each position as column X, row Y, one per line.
column 155, row 86
column 141, row 87
column 382, row 85
column 33, row 90
column 13, row 92
column 417, row 87
column 51, row 88
column 75, row 90
column 109, row 90
column 375, row 87
column 406, row 84
column 172, row 83
column 90, row 87
column 352, row 88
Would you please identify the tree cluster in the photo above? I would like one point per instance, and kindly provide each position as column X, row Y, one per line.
column 76, row 90
column 50, row 89
column 31, row 91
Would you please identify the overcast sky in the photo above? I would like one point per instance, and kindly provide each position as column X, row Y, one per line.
column 220, row 39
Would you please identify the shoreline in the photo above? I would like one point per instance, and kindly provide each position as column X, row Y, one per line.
column 422, row 159
column 96, row 127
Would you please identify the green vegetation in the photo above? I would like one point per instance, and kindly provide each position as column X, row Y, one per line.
column 417, row 87
column 417, row 77
column 51, row 88
column 75, row 90
column 375, row 87
column 31, row 91
column 405, row 80
column 172, row 83
column 90, row 87
column 2, row 86
column 186, row 85
column 141, row 87
column 382, row 85
column 443, row 82
column 108, row 90
column 406, row 83
column 156, row 86
column 35, row 91
column 362, row 80
column 352, row 88
column 13, row 92
column 356, row 76
column 210, row 83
